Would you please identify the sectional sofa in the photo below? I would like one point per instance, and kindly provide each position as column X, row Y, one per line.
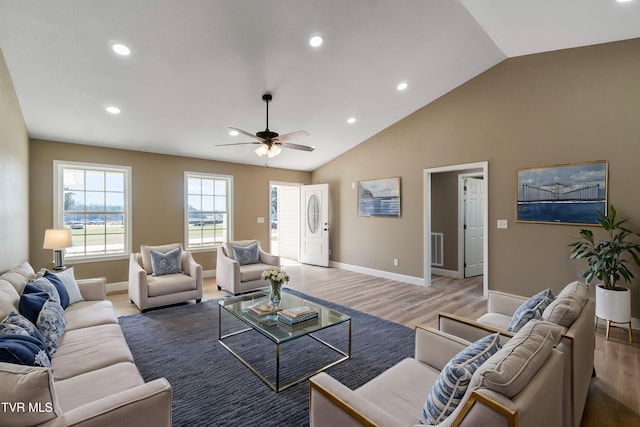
column 93, row 379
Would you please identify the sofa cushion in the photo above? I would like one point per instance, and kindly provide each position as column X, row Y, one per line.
column 169, row 263
column 239, row 243
column 9, row 299
column 27, row 384
column 88, row 349
column 530, row 309
column 90, row 313
column 563, row 311
column 68, row 279
column 62, row 290
column 170, row 284
column 496, row 320
column 401, row 390
column 19, row 276
column 453, row 380
column 252, row 272
column 145, row 252
column 511, row 368
column 91, row 386
column 247, row 254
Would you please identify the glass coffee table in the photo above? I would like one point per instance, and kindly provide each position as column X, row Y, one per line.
column 279, row 333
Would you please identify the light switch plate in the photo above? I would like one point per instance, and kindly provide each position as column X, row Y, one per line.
column 260, row 220
column 503, row 223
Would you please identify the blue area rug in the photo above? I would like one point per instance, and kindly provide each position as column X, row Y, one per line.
column 212, row 388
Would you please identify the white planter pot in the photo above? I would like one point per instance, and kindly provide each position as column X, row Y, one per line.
column 613, row 305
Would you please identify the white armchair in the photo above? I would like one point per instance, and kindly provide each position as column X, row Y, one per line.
column 236, row 278
column 147, row 290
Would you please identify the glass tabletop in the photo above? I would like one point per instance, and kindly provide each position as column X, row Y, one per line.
column 270, row 326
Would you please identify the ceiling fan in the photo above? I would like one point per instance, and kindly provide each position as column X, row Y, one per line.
column 271, row 143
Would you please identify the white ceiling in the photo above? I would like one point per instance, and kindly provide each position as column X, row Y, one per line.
column 200, row 66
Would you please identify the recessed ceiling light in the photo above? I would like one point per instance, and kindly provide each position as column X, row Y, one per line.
column 112, row 109
column 316, row 41
column 623, row 1
column 351, row 120
column 402, row 86
column 120, row 49
column 233, row 132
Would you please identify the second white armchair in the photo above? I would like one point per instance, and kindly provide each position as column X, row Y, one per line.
column 242, row 275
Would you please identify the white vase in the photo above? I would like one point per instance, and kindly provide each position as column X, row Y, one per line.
column 613, row 304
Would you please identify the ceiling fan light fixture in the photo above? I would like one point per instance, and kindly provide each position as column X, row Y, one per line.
column 262, row 150
column 273, row 151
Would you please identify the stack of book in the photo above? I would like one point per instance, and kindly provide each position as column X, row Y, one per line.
column 293, row 316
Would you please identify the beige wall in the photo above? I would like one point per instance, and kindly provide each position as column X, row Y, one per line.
column 158, row 199
column 552, row 108
column 14, row 176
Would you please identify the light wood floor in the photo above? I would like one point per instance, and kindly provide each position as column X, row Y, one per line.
column 614, row 396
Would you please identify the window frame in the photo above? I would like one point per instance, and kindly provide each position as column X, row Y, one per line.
column 58, row 205
column 212, row 176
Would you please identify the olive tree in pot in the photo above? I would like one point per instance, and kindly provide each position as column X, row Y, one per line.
column 608, row 261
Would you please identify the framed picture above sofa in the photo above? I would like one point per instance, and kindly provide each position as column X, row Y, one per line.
column 562, row 194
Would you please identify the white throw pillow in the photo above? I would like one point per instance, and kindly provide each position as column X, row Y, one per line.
column 69, row 282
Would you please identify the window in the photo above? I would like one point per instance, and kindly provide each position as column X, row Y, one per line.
column 94, row 202
column 208, row 214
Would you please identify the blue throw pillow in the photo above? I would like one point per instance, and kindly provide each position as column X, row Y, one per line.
column 43, row 285
column 530, row 309
column 23, row 350
column 169, row 263
column 20, row 321
column 247, row 254
column 453, row 380
column 62, row 291
column 31, row 304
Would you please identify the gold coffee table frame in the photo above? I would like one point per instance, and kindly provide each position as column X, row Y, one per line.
column 280, row 333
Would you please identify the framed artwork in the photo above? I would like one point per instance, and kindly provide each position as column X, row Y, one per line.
column 563, row 194
column 379, row 197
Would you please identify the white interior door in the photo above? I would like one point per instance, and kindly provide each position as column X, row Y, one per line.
column 314, row 221
column 473, row 227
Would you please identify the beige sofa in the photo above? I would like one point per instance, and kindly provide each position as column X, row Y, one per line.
column 236, row 278
column 572, row 309
column 520, row 385
column 93, row 380
column 149, row 291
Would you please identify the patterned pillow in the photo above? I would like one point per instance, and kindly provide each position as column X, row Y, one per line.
column 62, row 291
column 43, row 285
column 169, row 263
column 17, row 320
column 51, row 323
column 452, row 383
column 247, row 254
column 530, row 309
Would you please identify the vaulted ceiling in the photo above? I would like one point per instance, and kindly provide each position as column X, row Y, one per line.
column 198, row 67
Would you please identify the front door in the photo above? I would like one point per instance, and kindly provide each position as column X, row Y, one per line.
column 314, row 221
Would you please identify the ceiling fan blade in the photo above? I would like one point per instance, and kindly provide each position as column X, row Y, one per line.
column 296, row 146
column 250, row 135
column 290, row 136
column 239, row 143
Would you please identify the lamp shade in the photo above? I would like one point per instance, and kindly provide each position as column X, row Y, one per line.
column 57, row 239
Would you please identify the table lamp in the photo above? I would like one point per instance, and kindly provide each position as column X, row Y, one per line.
column 57, row 240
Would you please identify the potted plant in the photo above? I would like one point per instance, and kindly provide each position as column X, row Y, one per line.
column 608, row 261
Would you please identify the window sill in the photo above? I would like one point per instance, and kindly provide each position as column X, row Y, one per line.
column 85, row 260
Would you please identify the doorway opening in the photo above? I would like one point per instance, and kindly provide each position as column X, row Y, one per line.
column 480, row 242
column 284, row 221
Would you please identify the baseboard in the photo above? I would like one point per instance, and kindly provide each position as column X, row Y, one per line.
column 379, row 273
column 447, row 273
column 114, row 287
